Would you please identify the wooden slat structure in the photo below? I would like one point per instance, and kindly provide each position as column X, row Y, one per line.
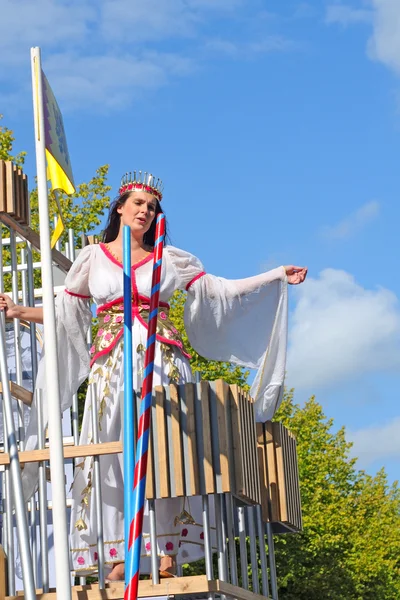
column 279, row 476
column 204, row 438
column 206, row 441
column 14, row 209
column 14, row 196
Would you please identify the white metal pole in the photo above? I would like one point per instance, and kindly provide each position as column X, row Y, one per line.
column 97, row 486
column 17, row 336
column 43, row 511
column 272, row 564
column 8, row 529
column 15, row 471
column 8, row 525
column 32, row 502
column 52, row 373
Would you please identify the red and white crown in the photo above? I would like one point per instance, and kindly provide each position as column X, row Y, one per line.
column 146, row 182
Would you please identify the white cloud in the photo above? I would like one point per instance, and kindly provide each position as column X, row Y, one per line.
column 384, row 44
column 353, row 223
column 158, row 19
column 380, row 442
column 25, row 23
column 105, row 82
column 384, row 16
column 103, row 54
column 143, row 20
column 346, row 15
column 246, row 50
column 340, row 330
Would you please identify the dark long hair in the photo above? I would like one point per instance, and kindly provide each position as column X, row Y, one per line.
column 113, row 223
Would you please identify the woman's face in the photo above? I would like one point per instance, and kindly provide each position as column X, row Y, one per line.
column 138, row 211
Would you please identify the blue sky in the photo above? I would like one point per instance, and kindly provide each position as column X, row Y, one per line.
column 276, row 129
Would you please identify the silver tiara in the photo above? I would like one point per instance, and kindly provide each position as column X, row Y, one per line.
column 138, row 180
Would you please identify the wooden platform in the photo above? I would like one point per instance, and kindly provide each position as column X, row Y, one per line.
column 184, row 587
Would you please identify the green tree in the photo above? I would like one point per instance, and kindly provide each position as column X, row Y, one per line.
column 350, row 545
column 82, row 211
column 208, row 369
column 6, row 146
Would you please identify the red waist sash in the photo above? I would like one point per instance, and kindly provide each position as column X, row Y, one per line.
column 111, row 326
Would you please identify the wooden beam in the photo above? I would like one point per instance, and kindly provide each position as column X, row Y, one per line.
column 69, row 452
column 233, row 591
column 176, row 586
column 31, row 236
column 19, row 392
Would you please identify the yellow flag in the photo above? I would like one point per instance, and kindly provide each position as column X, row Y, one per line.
column 59, row 170
column 59, row 228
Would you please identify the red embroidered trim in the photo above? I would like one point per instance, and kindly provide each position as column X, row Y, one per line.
column 146, row 300
column 108, row 349
column 140, row 186
column 135, row 299
column 143, row 261
column 191, row 282
column 109, row 255
column 143, row 299
column 161, row 338
column 77, row 295
column 109, row 305
column 116, row 262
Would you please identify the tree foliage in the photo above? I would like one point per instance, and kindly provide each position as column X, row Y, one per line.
column 350, row 546
column 6, row 146
column 83, row 210
column 208, row 369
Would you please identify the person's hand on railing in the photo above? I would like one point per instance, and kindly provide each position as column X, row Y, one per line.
column 11, row 310
column 17, row 311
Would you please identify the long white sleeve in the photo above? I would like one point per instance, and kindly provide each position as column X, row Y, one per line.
column 242, row 321
column 73, row 317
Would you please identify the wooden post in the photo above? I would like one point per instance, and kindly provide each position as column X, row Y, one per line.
column 3, row 574
column 14, row 209
column 13, row 192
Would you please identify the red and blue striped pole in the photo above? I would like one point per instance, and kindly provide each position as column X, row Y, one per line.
column 139, row 483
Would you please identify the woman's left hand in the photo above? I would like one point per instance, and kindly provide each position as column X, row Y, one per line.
column 295, row 275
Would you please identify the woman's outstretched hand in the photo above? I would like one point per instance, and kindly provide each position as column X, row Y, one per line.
column 9, row 307
column 295, row 275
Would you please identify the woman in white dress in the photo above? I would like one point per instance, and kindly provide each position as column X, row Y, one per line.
column 244, row 321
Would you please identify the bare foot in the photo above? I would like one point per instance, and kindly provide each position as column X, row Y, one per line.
column 118, row 573
column 168, row 565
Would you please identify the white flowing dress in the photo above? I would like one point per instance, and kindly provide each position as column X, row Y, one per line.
column 243, row 321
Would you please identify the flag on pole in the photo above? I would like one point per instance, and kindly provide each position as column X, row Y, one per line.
column 59, row 170
column 58, row 493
